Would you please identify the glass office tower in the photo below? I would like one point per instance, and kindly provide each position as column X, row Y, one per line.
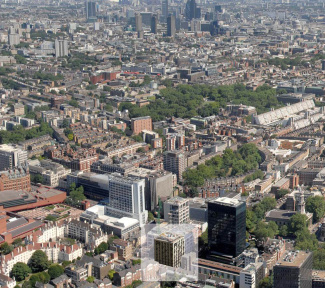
column 227, row 226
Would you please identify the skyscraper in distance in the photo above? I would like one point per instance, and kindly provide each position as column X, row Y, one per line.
column 171, row 26
column 190, row 10
column 154, row 24
column 61, row 48
column 164, row 9
column 13, row 36
column 90, row 7
column 227, row 227
column 138, row 22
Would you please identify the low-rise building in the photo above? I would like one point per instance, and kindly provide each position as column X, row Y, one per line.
column 282, row 217
column 126, row 277
column 124, row 227
column 123, row 248
column 50, row 171
column 85, row 233
column 76, row 273
column 251, row 275
column 99, row 268
column 54, row 251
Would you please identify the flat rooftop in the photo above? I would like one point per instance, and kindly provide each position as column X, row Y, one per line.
column 319, row 275
column 293, row 259
column 227, row 201
column 177, row 200
column 283, row 214
column 10, row 195
column 168, row 237
column 46, row 192
column 10, row 148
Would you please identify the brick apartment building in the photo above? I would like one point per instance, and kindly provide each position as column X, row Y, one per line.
column 123, row 248
column 103, row 77
column 141, row 123
column 79, row 160
column 15, row 179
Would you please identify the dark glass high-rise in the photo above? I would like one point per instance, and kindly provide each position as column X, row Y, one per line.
column 227, row 226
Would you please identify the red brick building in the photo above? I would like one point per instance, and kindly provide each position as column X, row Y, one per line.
column 208, row 193
column 157, row 143
column 141, row 123
column 294, row 181
column 15, row 179
column 103, row 77
column 18, row 200
column 19, row 227
column 80, row 159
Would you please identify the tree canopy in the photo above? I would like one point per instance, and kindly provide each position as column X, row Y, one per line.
column 39, row 261
column 20, row 271
column 42, row 277
column 266, row 282
column 90, row 279
column 76, row 194
column 187, row 101
column 266, row 230
column 5, row 248
column 102, row 247
column 19, row 134
column 298, row 223
column 281, row 192
column 319, row 259
column 55, row 271
column 305, row 240
column 111, row 274
column 255, row 216
column 316, row 205
column 231, row 163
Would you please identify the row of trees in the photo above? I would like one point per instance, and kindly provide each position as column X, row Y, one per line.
column 257, row 174
column 231, row 163
column 10, row 84
column 287, row 62
column 48, row 76
column 78, row 61
column 188, row 101
column 5, row 71
column 19, row 134
column 146, row 81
